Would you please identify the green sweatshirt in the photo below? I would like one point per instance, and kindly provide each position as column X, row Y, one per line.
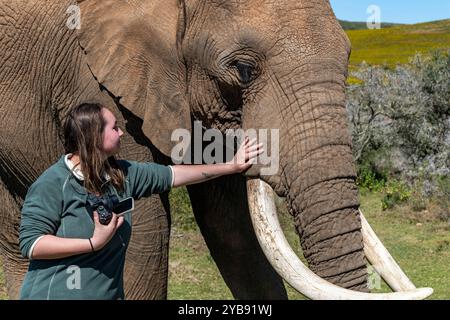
column 56, row 204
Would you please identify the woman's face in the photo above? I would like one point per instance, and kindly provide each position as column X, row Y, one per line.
column 111, row 133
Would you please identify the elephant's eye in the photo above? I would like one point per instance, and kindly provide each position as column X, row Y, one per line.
column 245, row 70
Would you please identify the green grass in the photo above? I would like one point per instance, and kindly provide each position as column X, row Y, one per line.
column 192, row 272
column 396, row 45
column 420, row 245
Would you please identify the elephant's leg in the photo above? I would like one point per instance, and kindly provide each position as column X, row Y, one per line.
column 221, row 210
column 146, row 266
column 14, row 266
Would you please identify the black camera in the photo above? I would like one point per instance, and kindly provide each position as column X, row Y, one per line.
column 104, row 206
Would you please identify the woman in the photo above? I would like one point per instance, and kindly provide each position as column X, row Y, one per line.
column 73, row 255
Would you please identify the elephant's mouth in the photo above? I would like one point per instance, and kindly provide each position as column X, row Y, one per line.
column 291, row 269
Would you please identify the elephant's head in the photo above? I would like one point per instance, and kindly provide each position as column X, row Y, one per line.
column 253, row 64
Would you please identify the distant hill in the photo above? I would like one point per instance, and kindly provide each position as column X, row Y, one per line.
column 351, row 25
column 397, row 44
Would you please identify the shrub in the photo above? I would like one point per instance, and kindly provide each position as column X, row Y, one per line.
column 395, row 192
column 400, row 121
column 370, row 179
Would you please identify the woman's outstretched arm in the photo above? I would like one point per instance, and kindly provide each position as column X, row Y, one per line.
column 191, row 174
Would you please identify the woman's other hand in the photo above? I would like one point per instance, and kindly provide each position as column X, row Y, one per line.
column 104, row 233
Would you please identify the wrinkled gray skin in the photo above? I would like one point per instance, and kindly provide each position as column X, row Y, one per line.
column 160, row 64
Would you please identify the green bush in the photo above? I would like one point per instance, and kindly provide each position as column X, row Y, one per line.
column 370, row 180
column 396, row 192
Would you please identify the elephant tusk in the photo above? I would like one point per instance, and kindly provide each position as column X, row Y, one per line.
column 382, row 260
column 289, row 266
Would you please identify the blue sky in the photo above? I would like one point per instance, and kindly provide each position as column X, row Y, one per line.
column 401, row 11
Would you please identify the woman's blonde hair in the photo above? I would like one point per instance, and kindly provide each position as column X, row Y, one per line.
column 83, row 135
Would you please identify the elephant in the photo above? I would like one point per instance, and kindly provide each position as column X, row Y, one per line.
column 160, row 65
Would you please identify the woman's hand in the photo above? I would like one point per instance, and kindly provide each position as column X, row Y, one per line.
column 104, row 233
column 246, row 153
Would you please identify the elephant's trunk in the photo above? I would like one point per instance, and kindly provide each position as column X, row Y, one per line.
column 325, row 211
column 330, row 233
column 322, row 194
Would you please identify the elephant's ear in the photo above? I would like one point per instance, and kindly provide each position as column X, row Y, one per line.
column 133, row 50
